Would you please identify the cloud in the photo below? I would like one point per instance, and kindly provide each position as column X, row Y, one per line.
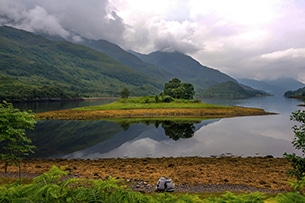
column 64, row 18
column 33, row 20
column 288, row 53
column 256, row 39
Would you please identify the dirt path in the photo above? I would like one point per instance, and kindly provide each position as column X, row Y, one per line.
column 190, row 174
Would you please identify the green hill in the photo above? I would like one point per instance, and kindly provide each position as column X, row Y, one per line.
column 127, row 58
column 231, row 89
column 32, row 66
column 299, row 93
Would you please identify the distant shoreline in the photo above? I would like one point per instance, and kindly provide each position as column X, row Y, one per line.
column 58, row 99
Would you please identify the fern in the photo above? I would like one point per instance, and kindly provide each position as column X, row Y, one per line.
column 231, row 198
column 291, row 197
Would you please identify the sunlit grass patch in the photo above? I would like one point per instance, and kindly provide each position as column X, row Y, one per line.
column 149, row 103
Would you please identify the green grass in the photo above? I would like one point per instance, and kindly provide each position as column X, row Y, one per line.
column 148, row 102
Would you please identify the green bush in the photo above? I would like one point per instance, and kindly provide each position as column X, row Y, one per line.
column 167, row 99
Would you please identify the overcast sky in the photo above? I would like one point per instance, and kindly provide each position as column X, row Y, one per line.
column 259, row 39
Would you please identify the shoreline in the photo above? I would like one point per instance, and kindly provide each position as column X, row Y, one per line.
column 73, row 114
column 190, row 174
column 51, row 100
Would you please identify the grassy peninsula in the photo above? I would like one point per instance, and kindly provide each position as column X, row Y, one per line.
column 151, row 107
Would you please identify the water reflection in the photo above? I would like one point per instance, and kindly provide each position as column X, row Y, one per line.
column 178, row 130
column 240, row 136
column 175, row 129
column 60, row 137
column 140, row 140
column 57, row 138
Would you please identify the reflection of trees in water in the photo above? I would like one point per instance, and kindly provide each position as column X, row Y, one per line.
column 178, row 130
column 174, row 129
column 125, row 125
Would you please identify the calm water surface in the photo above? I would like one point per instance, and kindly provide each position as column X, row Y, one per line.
column 241, row 136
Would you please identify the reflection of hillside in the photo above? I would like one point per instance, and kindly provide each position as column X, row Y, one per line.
column 114, row 142
column 53, row 137
column 133, row 133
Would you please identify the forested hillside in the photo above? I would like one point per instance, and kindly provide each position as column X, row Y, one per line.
column 186, row 68
column 128, row 59
column 33, row 67
column 299, row 93
column 231, row 89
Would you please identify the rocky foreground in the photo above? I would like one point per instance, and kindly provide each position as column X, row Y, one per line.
column 190, row 174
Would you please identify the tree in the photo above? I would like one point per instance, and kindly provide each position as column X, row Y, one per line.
column 14, row 143
column 189, row 91
column 297, row 162
column 176, row 89
column 125, row 93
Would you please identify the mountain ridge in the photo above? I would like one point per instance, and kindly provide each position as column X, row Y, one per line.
column 230, row 89
column 175, row 62
column 275, row 87
column 37, row 61
column 45, row 67
column 126, row 58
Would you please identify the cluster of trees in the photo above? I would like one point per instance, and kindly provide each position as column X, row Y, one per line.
column 179, row 90
column 172, row 89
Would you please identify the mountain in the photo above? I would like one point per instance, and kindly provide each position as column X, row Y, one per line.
column 126, row 58
column 34, row 67
column 274, row 87
column 231, row 89
column 162, row 65
column 186, row 69
column 43, row 67
column 299, row 93
column 286, row 83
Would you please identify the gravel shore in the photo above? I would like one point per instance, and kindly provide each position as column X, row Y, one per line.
column 189, row 174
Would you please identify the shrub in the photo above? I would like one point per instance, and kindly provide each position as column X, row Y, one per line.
column 297, row 162
column 167, row 99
